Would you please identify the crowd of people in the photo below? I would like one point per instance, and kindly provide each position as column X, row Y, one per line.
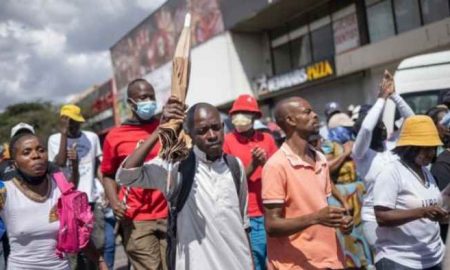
column 289, row 194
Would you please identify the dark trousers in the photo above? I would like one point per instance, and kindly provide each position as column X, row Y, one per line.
column 386, row 264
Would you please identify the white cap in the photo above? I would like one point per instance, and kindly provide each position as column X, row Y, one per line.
column 21, row 126
column 340, row 120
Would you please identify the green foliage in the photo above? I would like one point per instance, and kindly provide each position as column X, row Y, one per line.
column 42, row 115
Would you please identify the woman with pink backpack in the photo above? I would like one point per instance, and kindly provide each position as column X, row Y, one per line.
column 34, row 207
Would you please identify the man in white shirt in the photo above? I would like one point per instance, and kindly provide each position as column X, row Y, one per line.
column 73, row 143
column 72, row 139
column 210, row 228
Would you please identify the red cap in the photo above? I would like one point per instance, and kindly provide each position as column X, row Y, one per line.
column 245, row 103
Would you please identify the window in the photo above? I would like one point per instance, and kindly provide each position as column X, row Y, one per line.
column 301, row 51
column 420, row 103
column 345, row 29
column 407, row 14
column 380, row 20
column 282, row 58
column 434, row 10
column 323, row 42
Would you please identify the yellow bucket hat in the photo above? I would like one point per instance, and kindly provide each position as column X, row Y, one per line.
column 419, row 130
column 73, row 112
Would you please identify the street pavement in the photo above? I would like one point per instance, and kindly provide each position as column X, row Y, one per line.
column 120, row 260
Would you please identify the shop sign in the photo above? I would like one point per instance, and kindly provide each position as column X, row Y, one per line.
column 319, row 70
column 346, row 33
column 309, row 73
column 102, row 103
column 101, row 116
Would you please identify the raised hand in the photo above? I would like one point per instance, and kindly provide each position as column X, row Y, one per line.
column 174, row 109
column 64, row 125
column 387, row 85
column 348, row 146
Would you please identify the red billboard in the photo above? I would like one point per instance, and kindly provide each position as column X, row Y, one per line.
column 152, row 43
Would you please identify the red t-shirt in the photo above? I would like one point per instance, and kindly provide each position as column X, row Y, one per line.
column 239, row 146
column 143, row 204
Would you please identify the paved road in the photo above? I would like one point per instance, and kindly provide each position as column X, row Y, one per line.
column 120, row 262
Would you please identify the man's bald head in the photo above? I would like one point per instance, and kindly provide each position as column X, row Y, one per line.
column 286, row 107
column 199, row 109
column 295, row 114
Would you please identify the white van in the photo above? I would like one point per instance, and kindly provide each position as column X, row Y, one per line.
column 422, row 81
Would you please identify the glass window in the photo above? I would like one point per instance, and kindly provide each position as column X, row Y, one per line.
column 301, row 51
column 420, row 103
column 282, row 58
column 380, row 20
column 407, row 14
column 322, row 42
column 434, row 10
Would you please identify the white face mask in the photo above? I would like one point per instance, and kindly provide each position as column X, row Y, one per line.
column 242, row 121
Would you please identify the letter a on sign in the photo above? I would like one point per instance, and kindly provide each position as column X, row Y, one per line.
column 319, row 70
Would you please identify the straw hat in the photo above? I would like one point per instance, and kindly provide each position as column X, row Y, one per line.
column 419, row 130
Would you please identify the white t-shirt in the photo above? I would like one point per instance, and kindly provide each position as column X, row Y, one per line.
column 416, row 244
column 88, row 149
column 31, row 230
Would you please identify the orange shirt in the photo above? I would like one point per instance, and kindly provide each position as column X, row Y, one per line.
column 302, row 189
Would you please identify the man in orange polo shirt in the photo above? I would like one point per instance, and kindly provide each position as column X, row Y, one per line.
column 295, row 186
column 252, row 148
column 142, row 212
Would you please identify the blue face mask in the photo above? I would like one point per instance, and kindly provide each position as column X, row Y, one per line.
column 145, row 109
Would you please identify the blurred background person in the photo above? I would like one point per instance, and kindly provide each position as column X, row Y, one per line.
column 350, row 190
column 369, row 151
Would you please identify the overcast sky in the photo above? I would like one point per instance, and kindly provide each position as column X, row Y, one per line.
column 54, row 49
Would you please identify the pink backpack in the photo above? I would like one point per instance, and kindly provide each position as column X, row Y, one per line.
column 76, row 220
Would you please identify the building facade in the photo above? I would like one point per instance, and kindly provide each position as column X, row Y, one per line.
column 98, row 106
column 320, row 50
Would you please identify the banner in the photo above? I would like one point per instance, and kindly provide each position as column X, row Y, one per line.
column 346, row 33
column 152, row 43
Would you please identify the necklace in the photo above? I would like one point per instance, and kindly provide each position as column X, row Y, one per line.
column 32, row 195
column 425, row 182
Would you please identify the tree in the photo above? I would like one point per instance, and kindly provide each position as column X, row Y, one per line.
column 42, row 115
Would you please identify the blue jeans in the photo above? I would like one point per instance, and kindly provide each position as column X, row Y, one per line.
column 110, row 242
column 258, row 242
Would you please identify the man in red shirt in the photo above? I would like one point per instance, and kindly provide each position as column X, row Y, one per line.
column 253, row 148
column 142, row 212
